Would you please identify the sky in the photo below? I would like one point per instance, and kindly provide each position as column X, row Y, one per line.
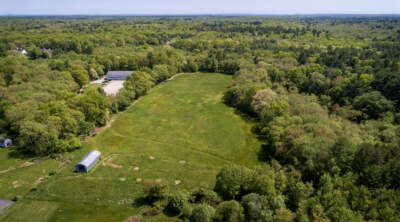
column 95, row 7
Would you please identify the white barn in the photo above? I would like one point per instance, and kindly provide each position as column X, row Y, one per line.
column 88, row 161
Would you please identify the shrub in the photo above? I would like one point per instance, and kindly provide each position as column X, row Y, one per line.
column 229, row 182
column 230, row 211
column 206, row 196
column 155, row 191
column 160, row 204
column 203, row 213
column 187, row 211
column 254, row 205
column 124, row 98
column 284, row 215
column 177, row 201
column 235, row 181
column 162, row 72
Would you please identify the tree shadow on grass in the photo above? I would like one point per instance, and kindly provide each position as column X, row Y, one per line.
column 20, row 154
column 141, row 201
column 245, row 116
column 151, row 210
column 266, row 152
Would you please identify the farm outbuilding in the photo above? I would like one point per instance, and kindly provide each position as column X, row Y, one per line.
column 118, row 75
column 5, row 142
column 88, row 161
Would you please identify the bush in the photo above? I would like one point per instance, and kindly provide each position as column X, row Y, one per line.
column 230, row 211
column 139, row 83
column 254, row 205
column 235, row 181
column 284, row 215
column 206, row 196
column 124, row 99
column 203, row 213
column 229, row 182
column 177, row 201
column 187, row 211
column 155, row 190
column 160, row 204
column 81, row 77
column 162, row 72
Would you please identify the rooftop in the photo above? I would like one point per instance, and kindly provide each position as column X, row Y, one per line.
column 119, row 75
column 88, row 159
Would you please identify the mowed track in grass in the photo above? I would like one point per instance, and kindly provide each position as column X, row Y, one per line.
column 180, row 133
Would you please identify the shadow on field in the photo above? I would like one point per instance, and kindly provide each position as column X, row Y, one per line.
column 142, row 201
column 152, row 209
column 266, row 153
column 19, row 154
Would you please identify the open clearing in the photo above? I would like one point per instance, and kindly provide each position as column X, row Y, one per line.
column 110, row 88
column 180, row 133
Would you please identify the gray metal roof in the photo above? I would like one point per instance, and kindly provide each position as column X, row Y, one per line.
column 88, row 159
column 118, row 74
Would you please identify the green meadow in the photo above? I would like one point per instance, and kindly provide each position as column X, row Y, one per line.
column 181, row 133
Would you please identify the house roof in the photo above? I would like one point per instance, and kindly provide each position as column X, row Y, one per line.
column 118, row 74
column 88, row 159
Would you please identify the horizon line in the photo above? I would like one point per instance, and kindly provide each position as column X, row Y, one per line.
column 205, row 14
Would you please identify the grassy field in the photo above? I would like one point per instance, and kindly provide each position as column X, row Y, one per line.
column 181, row 133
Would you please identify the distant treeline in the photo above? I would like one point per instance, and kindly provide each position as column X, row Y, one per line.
column 324, row 91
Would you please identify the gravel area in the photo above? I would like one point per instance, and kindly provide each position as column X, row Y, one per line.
column 112, row 87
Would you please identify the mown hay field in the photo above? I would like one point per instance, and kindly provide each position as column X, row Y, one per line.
column 181, row 133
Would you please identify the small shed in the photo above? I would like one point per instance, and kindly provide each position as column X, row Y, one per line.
column 5, row 142
column 88, row 161
column 118, row 75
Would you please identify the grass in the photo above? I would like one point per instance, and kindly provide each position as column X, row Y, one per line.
column 37, row 211
column 180, row 132
column 19, row 174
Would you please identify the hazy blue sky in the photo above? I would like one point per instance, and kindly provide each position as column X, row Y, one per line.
column 197, row 6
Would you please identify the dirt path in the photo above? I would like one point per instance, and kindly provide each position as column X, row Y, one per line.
column 174, row 76
column 102, row 128
column 38, row 180
column 11, row 168
column 63, row 165
column 108, row 161
column 7, row 170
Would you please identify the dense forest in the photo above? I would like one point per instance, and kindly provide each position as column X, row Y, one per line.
column 324, row 93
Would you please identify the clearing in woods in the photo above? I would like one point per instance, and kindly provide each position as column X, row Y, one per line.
column 180, row 133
